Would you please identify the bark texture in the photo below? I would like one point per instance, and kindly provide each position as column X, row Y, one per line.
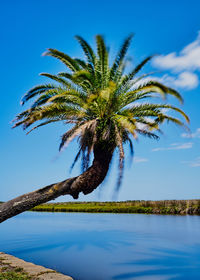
column 86, row 183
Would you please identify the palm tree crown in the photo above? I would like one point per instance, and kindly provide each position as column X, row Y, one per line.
column 100, row 100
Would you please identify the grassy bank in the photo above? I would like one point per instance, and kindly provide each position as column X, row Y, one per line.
column 181, row 207
column 7, row 272
column 12, row 275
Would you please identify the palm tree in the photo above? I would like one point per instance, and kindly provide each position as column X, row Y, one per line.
column 103, row 106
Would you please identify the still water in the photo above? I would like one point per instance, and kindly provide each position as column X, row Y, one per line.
column 107, row 246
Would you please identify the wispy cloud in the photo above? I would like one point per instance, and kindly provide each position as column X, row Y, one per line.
column 140, row 159
column 196, row 134
column 175, row 146
column 183, row 66
column 187, row 59
column 186, row 80
column 193, row 163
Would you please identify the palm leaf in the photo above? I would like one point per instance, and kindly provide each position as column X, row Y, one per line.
column 87, row 50
column 102, row 60
column 130, row 76
column 120, row 56
column 64, row 58
column 42, row 124
column 35, row 91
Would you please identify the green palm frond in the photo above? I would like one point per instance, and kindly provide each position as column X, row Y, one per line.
column 35, row 91
column 64, row 58
column 120, row 56
column 45, row 97
column 102, row 62
column 56, row 78
column 127, row 78
column 91, row 57
column 84, row 77
column 42, row 124
column 147, row 133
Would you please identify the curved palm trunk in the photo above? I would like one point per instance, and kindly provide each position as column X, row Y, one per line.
column 86, row 183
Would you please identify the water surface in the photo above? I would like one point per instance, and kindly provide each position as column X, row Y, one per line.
column 107, row 246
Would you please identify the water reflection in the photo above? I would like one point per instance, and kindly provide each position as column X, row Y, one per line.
column 79, row 240
column 169, row 263
column 107, row 246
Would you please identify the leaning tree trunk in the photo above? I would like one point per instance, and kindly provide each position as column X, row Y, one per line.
column 86, row 183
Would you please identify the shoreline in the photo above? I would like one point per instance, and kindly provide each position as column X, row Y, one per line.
column 163, row 207
column 13, row 266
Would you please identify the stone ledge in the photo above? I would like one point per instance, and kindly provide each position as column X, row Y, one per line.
column 36, row 271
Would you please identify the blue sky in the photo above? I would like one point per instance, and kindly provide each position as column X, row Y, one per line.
column 164, row 169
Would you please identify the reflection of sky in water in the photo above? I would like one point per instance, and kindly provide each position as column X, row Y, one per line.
column 107, row 246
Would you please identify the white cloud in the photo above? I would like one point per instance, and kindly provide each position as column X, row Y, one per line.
column 175, row 146
column 139, row 159
column 182, row 66
column 193, row 163
column 186, row 80
column 196, row 134
column 187, row 59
